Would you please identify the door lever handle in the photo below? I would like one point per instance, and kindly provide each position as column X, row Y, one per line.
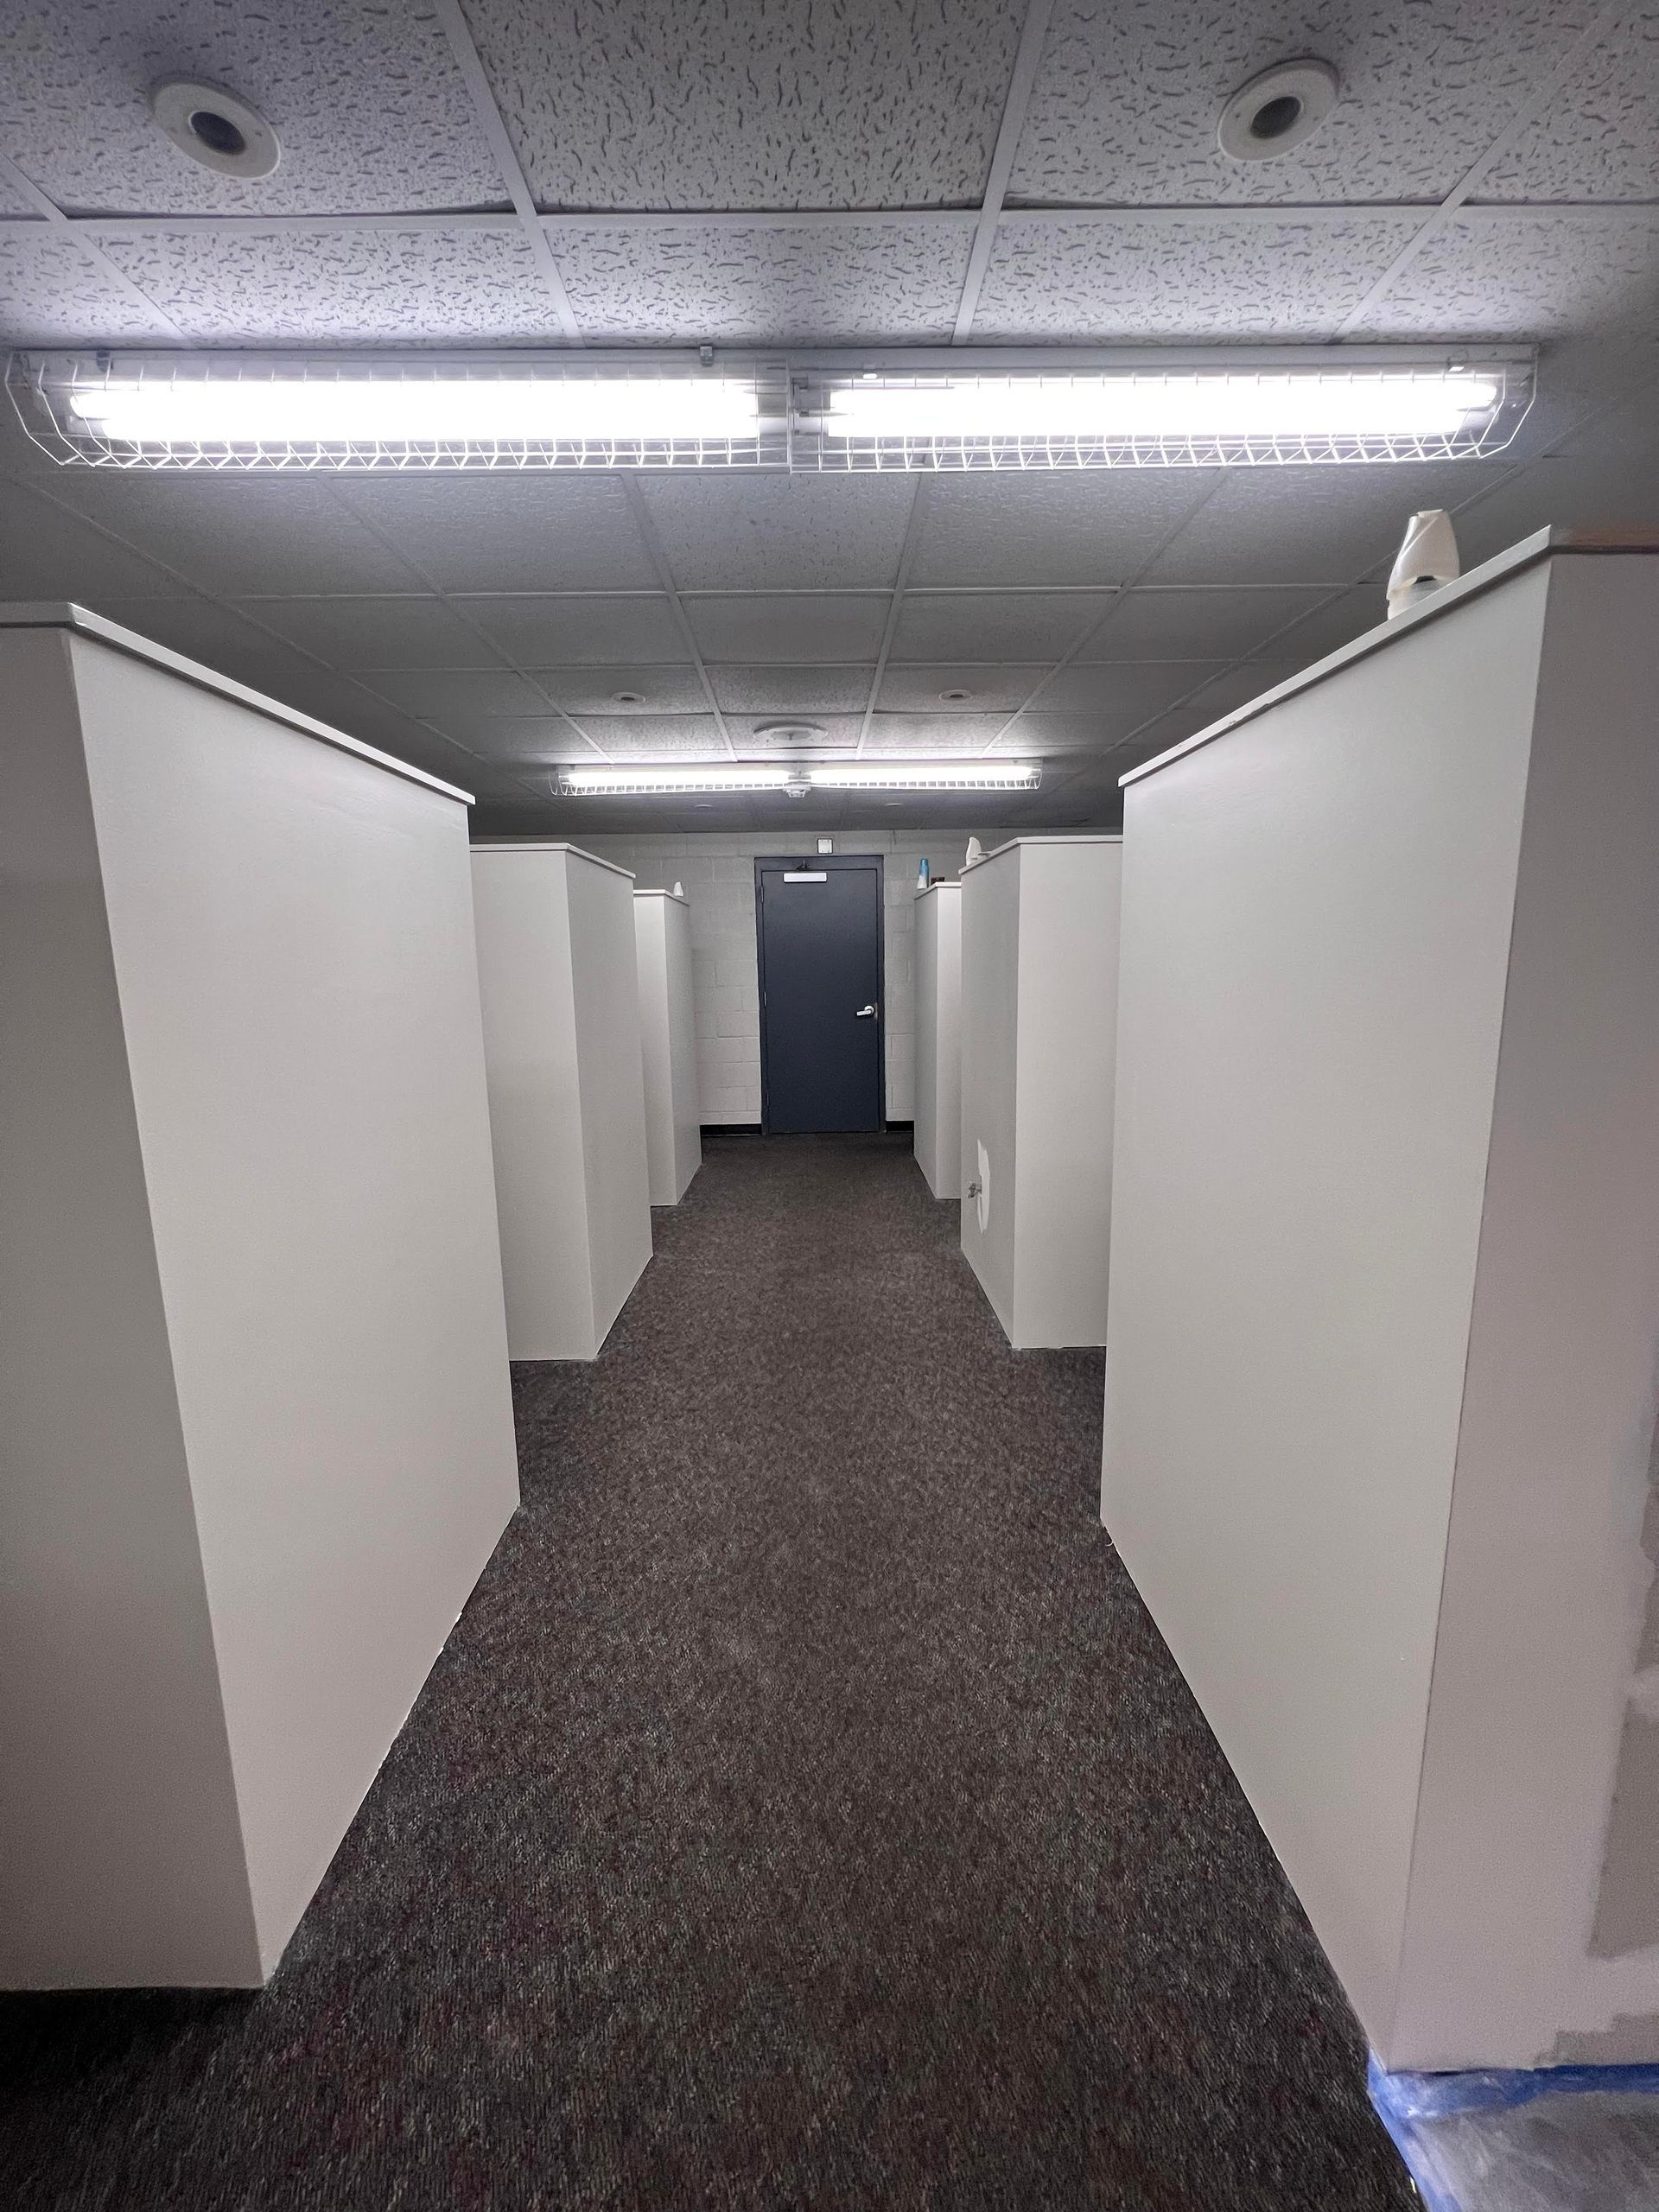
column 866, row 1013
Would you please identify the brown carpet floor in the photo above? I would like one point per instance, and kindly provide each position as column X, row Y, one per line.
column 805, row 1814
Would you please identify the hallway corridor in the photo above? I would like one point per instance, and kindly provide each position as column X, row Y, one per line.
column 804, row 1813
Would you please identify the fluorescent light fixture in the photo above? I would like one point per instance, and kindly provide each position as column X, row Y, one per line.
column 698, row 776
column 1127, row 409
column 798, row 778
column 443, row 410
column 970, row 775
column 961, row 408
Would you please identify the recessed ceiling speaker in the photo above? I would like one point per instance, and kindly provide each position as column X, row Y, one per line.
column 1278, row 111
column 214, row 127
column 790, row 733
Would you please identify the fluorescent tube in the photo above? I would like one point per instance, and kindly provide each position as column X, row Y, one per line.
column 969, row 775
column 697, row 776
column 416, row 411
column 1249, row 405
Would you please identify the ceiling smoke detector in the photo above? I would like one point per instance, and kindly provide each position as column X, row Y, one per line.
column 214, row 127
column 1278, row 111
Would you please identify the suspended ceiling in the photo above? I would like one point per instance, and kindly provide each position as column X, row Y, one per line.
column 502, row 171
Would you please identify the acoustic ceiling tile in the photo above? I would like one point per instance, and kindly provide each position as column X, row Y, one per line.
column 296, row 287
column 363, row 633
column 1128, row 97
column 661, row 688
column 539, row 529
column 1318, row 527
column 1064, row 736
column 1183, row 624
column 1508, row 273
column 46, row 553
column 782, row 690
column 1336, row 622
column 921, row 735
column 1179, row 278
column 218, row 636
column 645, row 737
column 925, row 687
column 1124, row 692
column 993, row 626
column 241, row 535
column 738, row 532
column 809, row 630
column 684, row 285
column 447, row 696
column 1094, row 526
column 54, row 293
column 555, row 632
column 861, row 103
column 1599, row 137
column 366, row 100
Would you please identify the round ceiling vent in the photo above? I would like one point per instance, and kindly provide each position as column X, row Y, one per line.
column 954, row 698
column 214, row 127
column 627, row 698
column 1278, row 111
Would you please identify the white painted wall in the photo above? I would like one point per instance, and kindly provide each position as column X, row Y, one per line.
column 661, row 925
column 1039, row 947
column 260, row 1441
column 559, row 982
column 938, row 1039
column 718, row 873
column 1384, row 1308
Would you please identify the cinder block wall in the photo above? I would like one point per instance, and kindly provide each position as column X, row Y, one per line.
column 718, row 874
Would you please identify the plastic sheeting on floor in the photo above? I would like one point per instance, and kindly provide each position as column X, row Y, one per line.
column 1561, row 2139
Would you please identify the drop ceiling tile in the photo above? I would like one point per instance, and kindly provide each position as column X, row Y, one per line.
column 1176, row 276
column 1095, row 526
column 1337, row 622
column 53, row 293
column 993, row 626
column 926, row 734
column 634, row 105
column 46, row 553
column 1182, row 625
column 391, row 633
column 1319, row 527
column 1128, row 97
column 919, row 687
column 1060, row 736
column 1585, row 490
column 219, row 637
column 644, row 737
column 791, row 690
column 526, row 738
column 446, row 695
column 241, row 535
column 730, row 532
column 552, row 632
column 545, row 530
column 1125, row 693
column 663, row 689
column 838, row 733
column 1216, row 699
column 811, row 629
column 366, row 100
column 765, row 286
column 1599, row 139
column 358, row 711
column 1524, row 274
column 406, row 286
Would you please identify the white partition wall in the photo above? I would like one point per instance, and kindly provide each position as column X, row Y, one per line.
column 1381, row 1364
column 561, row 993
column 938, row 1040
column 1039, row 921
column 662, row 929
column 257, row 1442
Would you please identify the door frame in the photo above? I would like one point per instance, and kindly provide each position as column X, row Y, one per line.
column 826, row 861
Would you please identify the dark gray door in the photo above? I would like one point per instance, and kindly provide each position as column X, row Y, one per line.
column 819, row 926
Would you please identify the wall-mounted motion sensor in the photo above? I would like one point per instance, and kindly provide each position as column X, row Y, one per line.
column 214, row 127
column 1278, row 111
